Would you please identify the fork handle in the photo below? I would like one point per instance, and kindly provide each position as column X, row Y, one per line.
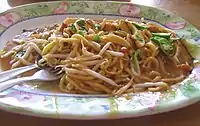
column 15, row 72
column 10, row 83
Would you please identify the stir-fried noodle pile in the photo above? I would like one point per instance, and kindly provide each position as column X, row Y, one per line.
column 104, row 56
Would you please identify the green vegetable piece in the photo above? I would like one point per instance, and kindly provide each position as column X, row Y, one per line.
column 165, row 45
column 97, row 26
column 96, row 38
column 140, row 26
column 82, row 32
column 164, row 35
column 81, row 22
column 134, row 60
column 73, row 28
column 139, row 38
column 82, row 28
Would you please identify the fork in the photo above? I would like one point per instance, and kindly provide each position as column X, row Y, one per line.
column 7, row 75
column 43, row 75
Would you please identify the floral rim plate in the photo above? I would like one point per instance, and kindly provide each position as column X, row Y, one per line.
column 29, row 101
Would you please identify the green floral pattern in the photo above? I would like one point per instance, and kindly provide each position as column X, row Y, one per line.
column 95, row 107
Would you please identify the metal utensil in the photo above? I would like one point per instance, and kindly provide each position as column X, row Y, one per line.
column 42, row 75
column 9, row 74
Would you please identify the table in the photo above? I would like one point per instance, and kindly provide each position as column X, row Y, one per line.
column 189, row 116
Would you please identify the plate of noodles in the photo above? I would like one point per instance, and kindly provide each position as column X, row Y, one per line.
column 119, row 59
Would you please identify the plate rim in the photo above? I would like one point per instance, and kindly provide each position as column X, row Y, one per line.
column 34, row 112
